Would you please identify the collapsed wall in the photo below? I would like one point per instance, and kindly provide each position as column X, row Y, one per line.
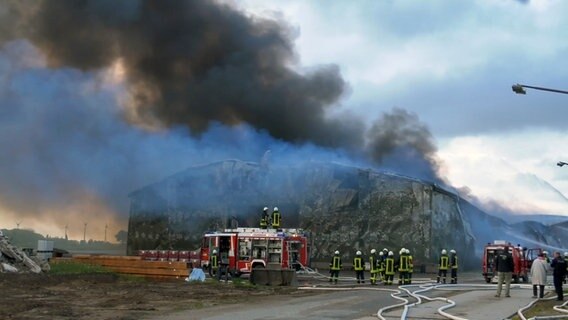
column 345, row 208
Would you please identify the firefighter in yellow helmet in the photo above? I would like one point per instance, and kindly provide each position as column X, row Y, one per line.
column 443, row 264
column 264, row 218
column 389, row 268
column 453, row 266
column 374, row 265
column 335, row 267
column 276, row 218
column 359, row 267
column 402, row 266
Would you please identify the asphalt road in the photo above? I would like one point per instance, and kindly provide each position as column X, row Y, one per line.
column 353, row 301
column 334, row 305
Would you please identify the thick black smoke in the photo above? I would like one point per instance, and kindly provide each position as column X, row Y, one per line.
column 193, row 62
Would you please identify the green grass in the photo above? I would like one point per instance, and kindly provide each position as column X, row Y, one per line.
column 541, row 308
column 73, row 267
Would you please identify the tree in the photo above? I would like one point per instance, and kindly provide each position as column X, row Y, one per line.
column 121, row 236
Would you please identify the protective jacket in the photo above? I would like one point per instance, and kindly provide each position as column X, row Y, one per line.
column 335, row 263
column 444, row 262
column 358, row 263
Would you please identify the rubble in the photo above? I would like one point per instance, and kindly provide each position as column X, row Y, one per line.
column 13, row 259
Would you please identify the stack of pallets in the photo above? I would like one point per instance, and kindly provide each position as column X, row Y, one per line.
column 133, row 265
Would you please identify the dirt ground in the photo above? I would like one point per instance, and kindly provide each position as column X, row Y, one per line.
column 109, row 296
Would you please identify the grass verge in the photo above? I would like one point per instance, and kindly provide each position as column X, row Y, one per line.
column 74, row 267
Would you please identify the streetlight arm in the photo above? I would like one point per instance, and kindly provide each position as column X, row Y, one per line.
column 520, row 86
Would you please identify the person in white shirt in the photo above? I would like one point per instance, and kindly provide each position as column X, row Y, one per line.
column 538, row 275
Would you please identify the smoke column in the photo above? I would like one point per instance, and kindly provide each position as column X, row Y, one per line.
column 208, row 80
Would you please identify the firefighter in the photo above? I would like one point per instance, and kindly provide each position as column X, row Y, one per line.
column 359, row 267
column 410, row 267
column 374, row 265
column 443, row 263
column 389, row 268
column 453, row 266
column 335, row 267
column 402, row 267
column 264, row 218
column 213, row 263
column 276, row 218
column 381, row 266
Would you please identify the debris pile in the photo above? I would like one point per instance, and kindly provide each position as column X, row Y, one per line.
column 13, row 259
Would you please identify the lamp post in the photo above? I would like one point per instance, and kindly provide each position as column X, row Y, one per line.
column 520, row 89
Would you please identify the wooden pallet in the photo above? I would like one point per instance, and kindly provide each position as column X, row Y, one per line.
column 133, row 265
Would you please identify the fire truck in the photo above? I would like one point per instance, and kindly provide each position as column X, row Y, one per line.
column 249, row 248
column 522, row 260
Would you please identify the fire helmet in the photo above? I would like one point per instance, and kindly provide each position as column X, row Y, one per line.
column 452, row 251
column 373, row 251
column 406, row 251
column 386, row 250
column 545, row 252
column 275, row 208
column 336, row 251
column 381, row 253
column 566, row 254
column 444, row 251
column 265, row 209
column 214, row 251
column 358, row 253
column 391, row 253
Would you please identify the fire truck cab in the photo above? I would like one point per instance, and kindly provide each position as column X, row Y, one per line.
column 522, row 260
column 247, row 248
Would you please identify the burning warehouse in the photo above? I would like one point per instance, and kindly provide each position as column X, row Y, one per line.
column 345, row 208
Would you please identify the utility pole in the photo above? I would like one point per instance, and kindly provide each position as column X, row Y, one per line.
column 106, row 227
column 85, row 233
column 66, row 227
column 18, row 224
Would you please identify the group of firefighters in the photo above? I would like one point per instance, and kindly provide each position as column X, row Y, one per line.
column 273, row 220
column 383, row 266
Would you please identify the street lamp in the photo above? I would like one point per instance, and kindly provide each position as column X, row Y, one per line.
column 561, row 163
column 520, row 89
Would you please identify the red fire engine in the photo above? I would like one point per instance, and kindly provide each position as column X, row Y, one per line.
column 522, row 259
column 248, row 248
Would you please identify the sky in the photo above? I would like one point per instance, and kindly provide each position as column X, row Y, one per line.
column 450, row 64
column 453, row 64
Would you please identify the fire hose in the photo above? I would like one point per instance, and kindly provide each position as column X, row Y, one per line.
column 405, row 303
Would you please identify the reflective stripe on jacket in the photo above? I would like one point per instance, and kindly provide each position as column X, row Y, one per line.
column 358, row 264
column 403, row 263
column 276, row 219
column 454, row 262
column 335, row 263
column 389, row 266
column 444, row 262
column 374, row 264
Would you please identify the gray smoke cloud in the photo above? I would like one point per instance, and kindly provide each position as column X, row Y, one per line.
column 197, row 64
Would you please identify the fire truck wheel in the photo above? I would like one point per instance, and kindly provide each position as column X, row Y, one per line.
column 487, row 279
